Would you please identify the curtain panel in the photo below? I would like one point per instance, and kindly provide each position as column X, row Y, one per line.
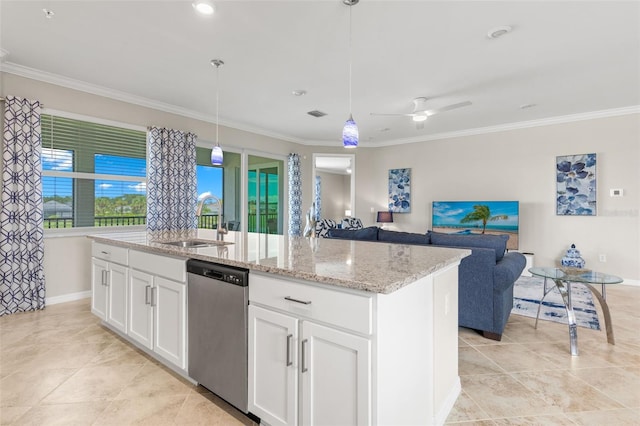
column 22, row 284
column 171, row 180
column 295, row 195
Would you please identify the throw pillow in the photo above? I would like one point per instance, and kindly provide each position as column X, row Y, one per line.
column 496, row 242
column 352, row 223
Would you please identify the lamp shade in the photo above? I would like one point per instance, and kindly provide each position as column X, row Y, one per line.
column 385, row 217
column 350, row 134
column 216, row 156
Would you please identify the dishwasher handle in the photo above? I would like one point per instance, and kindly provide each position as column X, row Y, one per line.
column 216, row 275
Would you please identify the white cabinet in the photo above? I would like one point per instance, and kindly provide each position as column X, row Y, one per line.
column 157, row 309
column 140, row 308
column 336, row 377
column 143, row 296
column 301, row 372
column 325, row 355
column 170, row 298
column 109, row 285
column 273, row 366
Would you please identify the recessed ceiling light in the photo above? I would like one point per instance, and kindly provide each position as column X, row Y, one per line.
column 499, row 31
column 419, row 117
column 204, row 7
column 48, row 13
column 299, row 92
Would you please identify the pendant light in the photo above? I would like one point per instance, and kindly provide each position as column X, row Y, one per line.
column 216, row 152
column 350, row 130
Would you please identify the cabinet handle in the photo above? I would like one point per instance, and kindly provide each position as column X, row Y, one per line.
column 105, row 253
column 103, row 278
column 304, row 356
column 154, row 296
column 147, row 290
column 289, row 362
column 291, row 299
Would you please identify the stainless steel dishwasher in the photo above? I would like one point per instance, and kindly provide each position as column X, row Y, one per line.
column 217, row 310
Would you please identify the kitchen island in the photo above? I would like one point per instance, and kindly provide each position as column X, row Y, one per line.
column 340, row 332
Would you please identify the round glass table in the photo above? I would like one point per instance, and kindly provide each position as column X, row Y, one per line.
column 563, row 278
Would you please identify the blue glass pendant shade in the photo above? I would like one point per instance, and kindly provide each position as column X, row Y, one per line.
column 350, row 134
column 216, row 156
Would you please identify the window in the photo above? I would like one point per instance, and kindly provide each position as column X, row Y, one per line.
column 93, row 174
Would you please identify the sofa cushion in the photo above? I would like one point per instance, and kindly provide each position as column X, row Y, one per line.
column 403, row 237
column 496, row 242
column 365, row 234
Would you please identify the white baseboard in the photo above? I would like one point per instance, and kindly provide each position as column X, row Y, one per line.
column 67, row 297
column 447, row 406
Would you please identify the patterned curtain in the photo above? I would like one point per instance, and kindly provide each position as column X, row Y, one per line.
column 21, row 233
column 295, row 195
column 318, row 201
column 171, row 180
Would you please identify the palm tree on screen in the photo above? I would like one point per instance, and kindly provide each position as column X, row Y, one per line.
column 483, row 213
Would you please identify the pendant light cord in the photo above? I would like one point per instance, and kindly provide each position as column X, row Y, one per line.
column 217, row 102
column 350, row 66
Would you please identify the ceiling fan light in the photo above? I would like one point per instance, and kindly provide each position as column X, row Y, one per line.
column 350, row 134
column 204, row 7
column 216, row 156
column 419, row 117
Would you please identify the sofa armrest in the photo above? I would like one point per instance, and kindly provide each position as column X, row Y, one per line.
column 508, row 270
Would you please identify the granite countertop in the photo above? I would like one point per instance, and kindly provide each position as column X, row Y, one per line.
column 362, row 265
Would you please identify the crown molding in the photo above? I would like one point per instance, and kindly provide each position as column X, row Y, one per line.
column 58, row 80
column 563, row 119
column 82, row 86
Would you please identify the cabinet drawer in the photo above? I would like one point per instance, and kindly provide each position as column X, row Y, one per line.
column 347, row 310
column 164, row 266
column 111, row 253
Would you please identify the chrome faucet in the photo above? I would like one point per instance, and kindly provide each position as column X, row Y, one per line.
column 220, row 230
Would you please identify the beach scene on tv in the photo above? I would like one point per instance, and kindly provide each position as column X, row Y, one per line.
column 477, row 217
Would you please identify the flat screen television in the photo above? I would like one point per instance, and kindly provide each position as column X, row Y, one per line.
column 478, row 217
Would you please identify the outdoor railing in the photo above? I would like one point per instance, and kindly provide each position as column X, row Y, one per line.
column 268, row 222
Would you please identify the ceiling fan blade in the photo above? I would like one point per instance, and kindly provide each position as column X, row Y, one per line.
column 395, row 115
column 434, row 111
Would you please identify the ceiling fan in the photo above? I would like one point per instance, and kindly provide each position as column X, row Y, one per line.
column 421, row 113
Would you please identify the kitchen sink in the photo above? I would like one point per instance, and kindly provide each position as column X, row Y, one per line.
column 194, row 243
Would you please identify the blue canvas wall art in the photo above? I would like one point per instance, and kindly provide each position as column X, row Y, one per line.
column 400, row 190
column 576, row 185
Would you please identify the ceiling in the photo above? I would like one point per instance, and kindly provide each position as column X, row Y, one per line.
column 564, row 57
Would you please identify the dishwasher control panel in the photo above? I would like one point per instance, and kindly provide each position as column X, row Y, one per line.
column 215, row 271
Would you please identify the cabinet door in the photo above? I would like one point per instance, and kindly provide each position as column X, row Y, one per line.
column 99, row 272
column 140, row 324
column 169, row 300
column 335, row 370
column 117, row 296
column 273, row 354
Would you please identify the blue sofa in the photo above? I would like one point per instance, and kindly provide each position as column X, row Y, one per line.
column 485, row 278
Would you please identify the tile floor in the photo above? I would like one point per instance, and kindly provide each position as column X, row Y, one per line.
column 59, row 366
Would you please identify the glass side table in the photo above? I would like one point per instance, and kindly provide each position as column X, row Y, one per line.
column 563, row 278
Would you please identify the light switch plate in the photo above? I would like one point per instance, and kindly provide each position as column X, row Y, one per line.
column 616, row 192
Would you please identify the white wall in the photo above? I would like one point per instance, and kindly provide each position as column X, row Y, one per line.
column 520, row 165
column 334, row 195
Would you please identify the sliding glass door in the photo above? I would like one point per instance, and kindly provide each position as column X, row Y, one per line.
column 265, row 196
